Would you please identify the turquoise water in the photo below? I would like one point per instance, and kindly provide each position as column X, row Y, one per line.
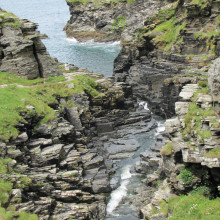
column 51, row 16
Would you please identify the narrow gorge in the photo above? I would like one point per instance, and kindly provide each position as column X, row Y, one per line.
column 141, row 144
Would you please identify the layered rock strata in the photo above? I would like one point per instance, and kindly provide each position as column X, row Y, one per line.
column 193, row 147
column 61, row 169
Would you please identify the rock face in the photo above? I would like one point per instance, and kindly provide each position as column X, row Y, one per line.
column 147, row 62
column 191, row 156
column 21, row 51
column 108, row 20
column 149, row 56
column 214, row 82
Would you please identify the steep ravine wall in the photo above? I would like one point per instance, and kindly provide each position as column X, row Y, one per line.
column 159, row 40
column 59, row 169
column 190, row 160
column 180, row 39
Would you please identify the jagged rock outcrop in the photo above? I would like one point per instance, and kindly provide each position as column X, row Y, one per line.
column 108, row 20
column 22, row 52
column 214, row 83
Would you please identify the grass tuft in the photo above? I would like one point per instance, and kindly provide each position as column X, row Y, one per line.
column 213, row 153
column 167, row 149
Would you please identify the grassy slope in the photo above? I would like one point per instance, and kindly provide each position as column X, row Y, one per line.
column 166, row 27
column 194, row 207
column 15, row 99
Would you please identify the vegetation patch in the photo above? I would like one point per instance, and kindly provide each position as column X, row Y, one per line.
column 167, row 149
column 195, row 115
column 119, row 23
column 202, row 190
column 168, row 33
column 213, row 153
column 194, row 206
column 39, row 100
column 186, row 176
column 9, row 19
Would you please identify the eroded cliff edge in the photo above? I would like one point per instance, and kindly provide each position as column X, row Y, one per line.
column 21, row 49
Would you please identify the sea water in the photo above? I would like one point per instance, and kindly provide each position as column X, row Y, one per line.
column 52, row 16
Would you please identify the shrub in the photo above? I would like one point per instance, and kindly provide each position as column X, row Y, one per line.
column 203, row 84
column 186, row 176
column 202, row 190
column 5, row 191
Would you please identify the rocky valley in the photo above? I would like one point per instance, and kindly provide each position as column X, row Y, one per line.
column 69, row 138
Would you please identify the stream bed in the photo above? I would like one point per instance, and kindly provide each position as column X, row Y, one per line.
column 137, row 138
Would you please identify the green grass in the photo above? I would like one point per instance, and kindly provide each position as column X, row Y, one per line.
column 119, row 23
column 7, row 78
column 213, row 153
column 170, row 32
column 27, row 216
column 194, row 207
column 15, row 23
column 5, row 191
column 167, row 149
column 43, row 97
column 161, row 16
column 4, row 165
column 55, row 79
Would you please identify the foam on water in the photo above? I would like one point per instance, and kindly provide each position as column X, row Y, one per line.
column 118, row 194
column 145, row 105
column 160, row 128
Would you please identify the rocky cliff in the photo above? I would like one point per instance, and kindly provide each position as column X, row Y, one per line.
column 160, row 40
column 190, row 160
column 180, row 39
column 21, row 50
column 108, row 20
column 53, row 163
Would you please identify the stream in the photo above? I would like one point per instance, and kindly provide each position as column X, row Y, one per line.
column 126, row 196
